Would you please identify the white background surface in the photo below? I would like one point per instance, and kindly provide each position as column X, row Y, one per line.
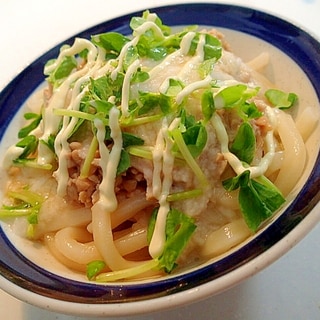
column 290, row 287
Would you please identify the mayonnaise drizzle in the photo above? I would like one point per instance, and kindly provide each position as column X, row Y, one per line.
column 107, row 202
column 79, row 45
column 135, row 65
column 12, row 154
column 126, row 87
column 161, row 188
column 62, row 148
column 185, row 43
column 175, row 56
column 189, row 66
column 121, row 57
column 51, row 122
column 137, row 34
column 109, row 161
column 234, row 161
column 196, row 60
column 192, row 87
column 157, row 157
column 75, row 87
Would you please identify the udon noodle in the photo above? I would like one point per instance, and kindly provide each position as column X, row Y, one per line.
column 149, row 153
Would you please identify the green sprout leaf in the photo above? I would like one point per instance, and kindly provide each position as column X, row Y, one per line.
column 258, row 198
column 110, row 41
column 94, row 268
column 195, row 137
column 207, row 105
column 63, row 70
column 34, row 124
column 24, row 203
column 244, row 144
column 179, row 229
column 281, row 99
column 29, row 145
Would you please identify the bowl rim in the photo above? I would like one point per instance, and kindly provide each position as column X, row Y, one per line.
column 195, row 291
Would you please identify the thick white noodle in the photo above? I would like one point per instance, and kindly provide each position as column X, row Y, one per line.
column 76, row 244
column 306, row 122
column 132, row 242
column 225, row 238
column 259, row 62
column 294, row 155
column 128, row 208
column 103, row 238
column 68, row 217
column 49, row 241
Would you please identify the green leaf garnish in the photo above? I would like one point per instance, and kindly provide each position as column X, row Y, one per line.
column 249, row 111
column 183, row 148
column 212, row 48
column 130, row 56
column 233, row 96
column 136, row 22
column 49, row 143
column 179, row 229
column 25, row 203
column 178, row 196
column 130, row 139
column 124, row 162
column 244, row 144
column 140, row 76
column 195, row 137
column 207, row 105
column 104, row 87
column 62, row 71
column 281, row 99
column 174, row 87
column 94, row 268
column 258, row 198
column 34, row 124
column 94, row 145
column 110, row 41
column 151, row 103
column 29, row 145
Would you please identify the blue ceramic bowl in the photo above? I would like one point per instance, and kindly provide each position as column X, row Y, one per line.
column 29, row 282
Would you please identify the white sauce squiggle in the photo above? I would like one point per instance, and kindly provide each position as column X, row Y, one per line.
column 72, row 85
column 162, row 188
column 235, row 163
column 62, row 149
column 109, row 161
column 126, row 87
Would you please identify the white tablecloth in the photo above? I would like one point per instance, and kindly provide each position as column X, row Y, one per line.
column 290, row 287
